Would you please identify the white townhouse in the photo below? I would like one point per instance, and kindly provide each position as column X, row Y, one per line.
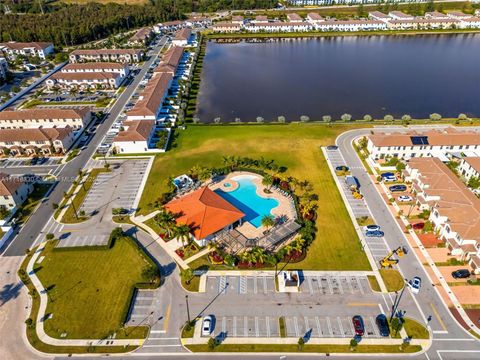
column 398, row 15
column 350, row 25
column 40, row 49
column 13, row 191
column 226, row 27
column 135, row 137
column 470, row 23
column 279, row 26
column 454, row 209
column 436, row 143
column 470, row 167
column 3, row 68
column 294, row 17
column 458, row 15
column 406, row 24
column 377, row 15
column 85, row 80
column 314, row 18
column 108, row 67
column 435, row 15
column 107, row 55
column 45, row 118
column 238, row 20
column 182, row 37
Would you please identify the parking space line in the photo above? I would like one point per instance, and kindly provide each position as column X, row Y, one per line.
column 352, row 329
column 265, row 287
column 359, row 282
column 340, row 325
column 330, row 285
column 267, row 324
column 295, row 325
column 257, row 334
column 339, row 282
column 329, row 325
column 234, row 326
column 310, row 288
column 373, row 326
column 349, row 281
column 254, row 284
column 305, row 319
column 245, row 326
column 224, row 325
column 319, row 328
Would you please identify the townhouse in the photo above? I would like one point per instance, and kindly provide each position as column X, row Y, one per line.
column 135, row 137
column 226, row 27
column 454, row 209
column 432, row 143
column 142, row 37
column 293, row 17
column 170, row 60
column 470, row 167
column 168, row 26
column 182, row 37
column 14, row 191
column 3, row 68
column 470, row 23
column 458, row 15
column 260, row 18
column 108, row 67
column 115, row 55
column 27, row 142
column 398, row 15
column 85, row 80
column 279, row 27
column 377, row 15
column 314, row 18
column 431, row 23
column 350, row 25
column 238, row 20
column 13, row 49
column 435, row 15
column 75, row 119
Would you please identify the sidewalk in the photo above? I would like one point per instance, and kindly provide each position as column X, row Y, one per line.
column 41, row 317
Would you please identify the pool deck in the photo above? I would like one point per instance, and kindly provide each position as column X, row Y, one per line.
column 286, row 207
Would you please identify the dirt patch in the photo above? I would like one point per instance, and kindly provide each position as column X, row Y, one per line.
column 429, row 240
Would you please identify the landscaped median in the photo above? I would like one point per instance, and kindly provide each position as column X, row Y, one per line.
column 81, row 296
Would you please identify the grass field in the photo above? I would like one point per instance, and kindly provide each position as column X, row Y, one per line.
column 284, row 348
column 296, row 146
column 90, row 290
column 127, row 2
column 392, row 279
column 415, row 330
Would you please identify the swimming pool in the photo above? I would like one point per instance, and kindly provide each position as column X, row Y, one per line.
column 245, row 198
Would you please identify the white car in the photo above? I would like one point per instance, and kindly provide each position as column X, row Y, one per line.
column 415, row 284
column 404, row 198
column 207, row 325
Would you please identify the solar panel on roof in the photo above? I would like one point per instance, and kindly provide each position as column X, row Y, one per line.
column 419, row 140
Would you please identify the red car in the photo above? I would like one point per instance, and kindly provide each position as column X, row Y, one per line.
column 358, row 325
column 418, row 226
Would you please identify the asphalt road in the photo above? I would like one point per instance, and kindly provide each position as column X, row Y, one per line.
column 34, row 226
column 447, row 333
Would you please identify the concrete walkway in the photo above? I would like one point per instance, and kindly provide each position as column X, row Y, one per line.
column 42, row 312
column 198, row 255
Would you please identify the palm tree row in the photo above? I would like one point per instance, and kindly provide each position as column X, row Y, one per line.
column 167, row 222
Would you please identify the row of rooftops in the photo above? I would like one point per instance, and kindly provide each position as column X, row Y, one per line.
column 37, row 45
column 35, row 134
column 152, row 96
column 44, row 114
column 399, row 16
column 456, row 201
column 9, row 184
column 446, row 137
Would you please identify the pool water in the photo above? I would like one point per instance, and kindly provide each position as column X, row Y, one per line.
column 245, row 198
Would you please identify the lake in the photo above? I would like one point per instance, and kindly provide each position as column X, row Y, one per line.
column 376, row 75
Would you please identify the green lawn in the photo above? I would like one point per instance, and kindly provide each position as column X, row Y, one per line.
column 90, row 290
column 392, row 279
column 415, row 329
column 38, row 193
column 296, row 146
column 285, row 348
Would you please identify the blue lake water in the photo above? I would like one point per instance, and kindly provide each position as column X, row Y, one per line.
column 245, row 198
column 375, row 75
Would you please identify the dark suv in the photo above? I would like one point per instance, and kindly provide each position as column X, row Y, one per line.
column 382, row 324
column 461, row 274
column 397, row 188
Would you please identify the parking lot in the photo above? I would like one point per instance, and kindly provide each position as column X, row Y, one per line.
column 115, row 189
column 9, row 163
column 240, row 284
column 72, row 240
column 295, row 326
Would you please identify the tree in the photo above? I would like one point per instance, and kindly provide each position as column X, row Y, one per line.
column 238, row 120
column 196, row 119
column 166, row 221
column 281, row 119
column 150, row 273
column 474, row 182
column 346, row 117
column 50, row 236
column 217, row 120
column 396, row 325
column 462, row 117
column 353, row 344
column 327, row 118
column 267, row 181
column 406, row 118
column 186, row 275
column 368, row 118
column 260, row 119
column 182, row 233
column 301, row 343
column 388, row 118
column 400, row 166
column 212, row 343
column 304, row 118
column 268, row 221
column 435, row 117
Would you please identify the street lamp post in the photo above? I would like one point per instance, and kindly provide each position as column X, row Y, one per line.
column 188, row 309
column 396, row 303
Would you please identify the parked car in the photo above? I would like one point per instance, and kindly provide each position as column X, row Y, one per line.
column 404, row 198
column 461, row 274
column 207, row 325
column 372, row 227
column 389, row 178
column 358, row 325
column 387, row 174
column 415, row 284
column 332, row 147
column 397, row 188
column 342, row 168
column 377, row 233
column 418, row 226
column 382, row 325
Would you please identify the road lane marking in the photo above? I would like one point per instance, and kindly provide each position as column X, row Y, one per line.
column 437, row 315
column 167, row 317
column 363, row 304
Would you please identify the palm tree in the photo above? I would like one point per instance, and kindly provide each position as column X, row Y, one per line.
column 166, row 220
column 204, row 174
column 74, row 91
column 267, row 181
column 195, row 171
column 268, row 221
column 307, row 208
column 259, row 254
column 346, row 117
column 182, row 233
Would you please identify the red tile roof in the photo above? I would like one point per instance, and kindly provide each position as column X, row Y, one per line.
column 204, row 211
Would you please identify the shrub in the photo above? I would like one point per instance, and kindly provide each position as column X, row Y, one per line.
column 50, row 236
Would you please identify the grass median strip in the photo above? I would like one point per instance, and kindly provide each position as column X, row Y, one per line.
column 292, row 348
column 70, row 217
column 392, row 279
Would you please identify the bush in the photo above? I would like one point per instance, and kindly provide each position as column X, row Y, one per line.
column 50, row 236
